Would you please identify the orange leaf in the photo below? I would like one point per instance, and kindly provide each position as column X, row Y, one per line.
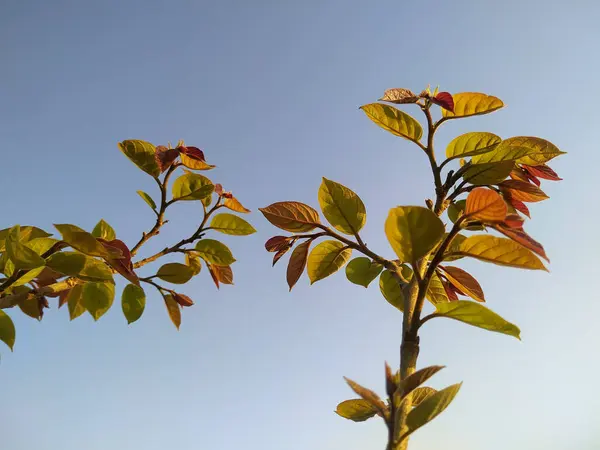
column 522, row 191
column 234, row 204
column 291, row 216
column 297, row 263
column 542, row 171
column 519, row 175
column 514, row 221
column 465, row 282
column 485, row 205
column 213, row 274
column 517, row 204
column 521, row 237
column 223, row 273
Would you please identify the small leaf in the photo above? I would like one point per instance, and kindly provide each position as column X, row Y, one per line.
column 297, row 263
column 21, row 256
column 74, row 301
column 122, row 264
column 192, row 186
column 430, row 408
column 342, row 207
column 277, row 243
column 175, row 273
column 471, row 144
column 234, row 204
column 142, row 154
column 489, row 173
column 133, row 302
column 214, row 252
column 399, row 96
column 517, row 204
column 501, row 153
column 104, row 230
column 436, row 293
column 7, row 330
column 147, row 199
column 327, row 258
column 193, row 158
column 542, row 171
column 174, row 310
column 444, row 100
column 357, row 410
column 465, row 282
column 369, row 396
column 193, row 262
column 544, row 150
column 522, row 191
column 183, row 300
column 165, row 157
column 362, row 271
column 416, row 379
column 295, row 217
column 223, row 274
column 97, row 298
column 84, row 242
column 485, row 205
column 472, row 104
column 456, row 209
column 413, row 231
column 231, row 224
column 477, row 315
column 391, row 289
column 394, row 121
column 420, row 394
column 499, row 251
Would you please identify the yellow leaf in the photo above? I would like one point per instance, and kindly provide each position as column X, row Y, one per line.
column 295, row 217
column 234, row 205
column 485, row 205
column 214, row 252
column 342, row 207
column 435, row 291
column 544, row 150
column 173, row 310
column 231, row 224
column 501, row 251
column 7, row 330
column 97, row 298
column 502, row 153
column 413, row 231
column 133, row 302
column 194, row 164
column 142, row 154
column 74, row 303
column 472, row 104
column 430, row 408
column 192, row 186
column 391, row 289
column 327, row 258
column 477, row 315
column 175, row 273
column 22, row 256
column 362, row 271
column 85, row 242
column 471, row 144
column 357, row 410
column 394, row 121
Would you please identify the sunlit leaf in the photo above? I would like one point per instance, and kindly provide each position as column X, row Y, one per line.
column 542, row 171
column 28, row 276
column 517, row 204
column 362, row 271
column 369, row 396
column 456, row 209
column 416, row 379
column 489, row 173
column 133, row 302
column 231, row 224
column 192, row 186
column 74, row 301
column 234, row 204
column 84, row 242
column 357, row 410
column 223, row 274
column 342, row 207
column 391, row 289
column 214, row 252
column 399, row 96
column 147, row 199
column 436, row 293
column 413, row 231
column 444, row 100
column 97, row 298
column 297, row 263
column 394, row 121
column 521, row 237
column 21, row 256
column 499, row 251
column 104, row 230
column 485, row 205
column 502, row 153
column 522, row 191
column 420, row 394
column 472, row 104
column 182, row 300
column 194, row 163
column 295, row 217
column 142, row 154
column 7, row 330
column 75, row 264
column 471, row 144
column 175, row 273
column 327, row 258
column 465, row 282
column 193, row 262
column 477, row 315
column 431, row 407
column 174, row 310
column 544, row 150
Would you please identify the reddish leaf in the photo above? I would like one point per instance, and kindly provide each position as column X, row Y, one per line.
column 276, row 243
column 297, row 263
column 517, row 204
column 450, row 292
column 519, row 175
column 280, row 253
column 444, row 100
column 514, row 221
column 193, row 158
column 542, row 171
column 182, row 299
column 218, row 189
column 122, row 265
column 165, row 157
column 521, row 237
column 465, row 282
column 213, row 274
column 192, row 152
column 223, row 273
column 524, row 192
column 485, row 205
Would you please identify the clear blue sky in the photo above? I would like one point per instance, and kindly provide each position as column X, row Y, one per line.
column 270, row 91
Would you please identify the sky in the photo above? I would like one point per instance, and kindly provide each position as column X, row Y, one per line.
column 270, row 91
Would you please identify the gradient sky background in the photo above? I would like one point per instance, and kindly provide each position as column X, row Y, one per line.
column 270, row 90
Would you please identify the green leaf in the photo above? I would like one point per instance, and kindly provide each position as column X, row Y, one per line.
column 74, row 301
column 362, row 271
column 488, row 173
column 543, row 150
column 41, row 245
column 416, row 379
column 471, row 144
column 84, row 242
column 430, row 408
column 192, row 186
column 456, row 209
column 327, row 258
column 231, row 224
column 133, row 302
column 472, row 104
column 22, row 256
column 147, row 199
column 357, row 410
column 394, row 121
column 294, row 217
column 391, row 289
column 342, row 207
column 193, row 262
column 477, row 315
column 500, row 251
column 27, row 277
column 435, row 291
column 104, row 231
column 502, row 153
column 27, row 233
column 75, row 264
column 413, row 231
column 175, row 273
column 214, row 252
column 421, row 394
column 30, row 306
column 142, row 154
column 7, row 330
column 174, row 310
column 97, row 298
